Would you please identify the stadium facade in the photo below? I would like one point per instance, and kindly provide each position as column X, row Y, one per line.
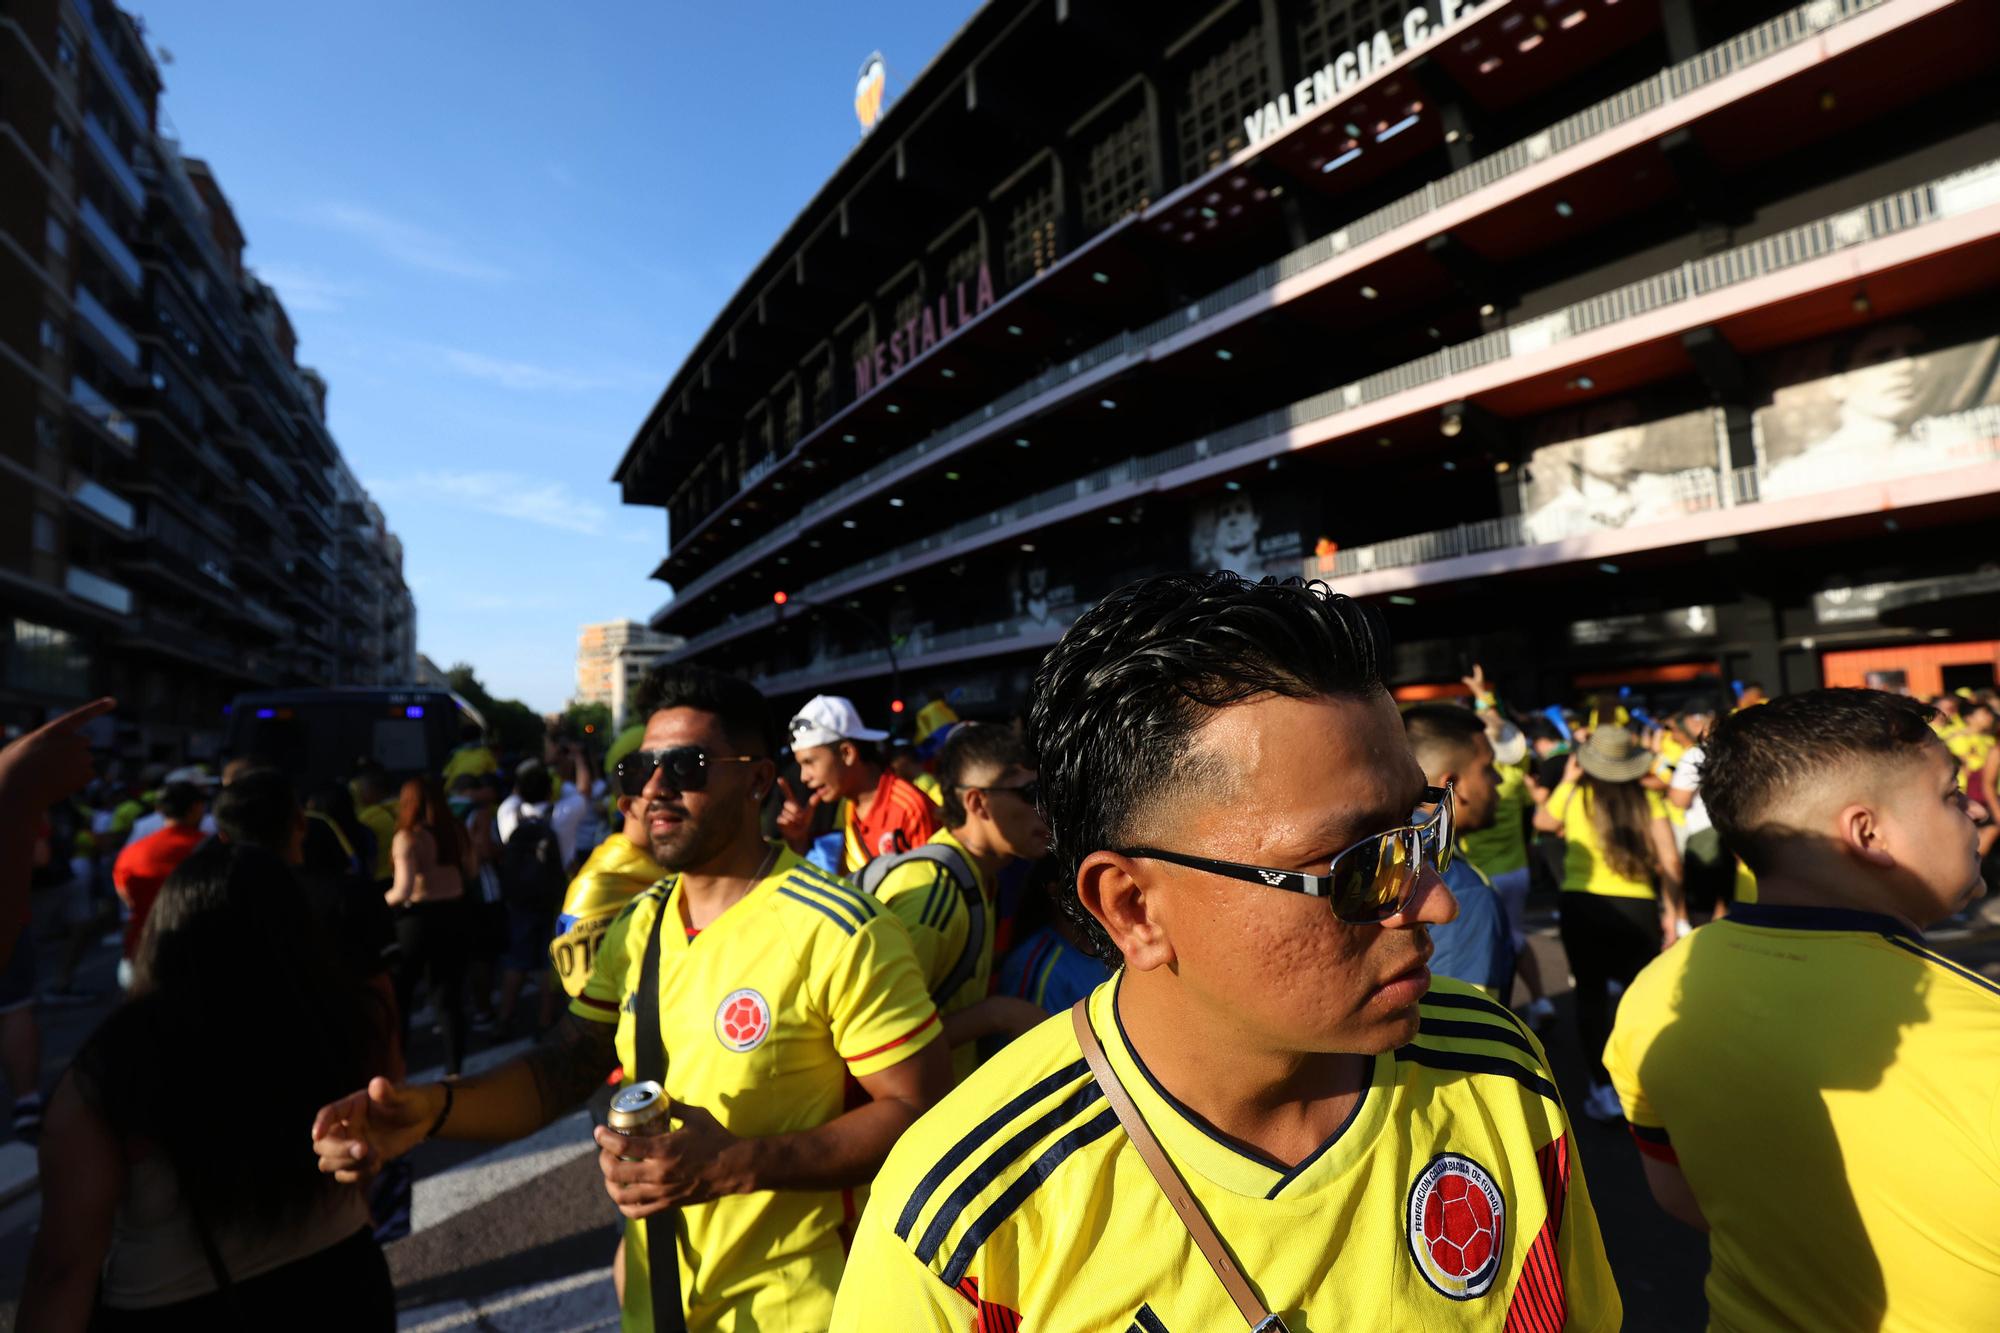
column 1608, row 343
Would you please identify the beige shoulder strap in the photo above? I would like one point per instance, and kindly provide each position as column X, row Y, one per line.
column 1169, row 1179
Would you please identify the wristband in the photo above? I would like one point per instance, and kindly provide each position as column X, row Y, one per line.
column 445, row 1114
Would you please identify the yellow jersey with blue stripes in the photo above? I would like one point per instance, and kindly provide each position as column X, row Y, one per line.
column 765, row 1014
column 1451, row 1199
column 1829, row 1084
column 933, row 907
column 616, row 872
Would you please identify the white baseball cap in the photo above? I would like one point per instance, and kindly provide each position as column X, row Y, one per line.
column 1510, row 746
column 828, row 719
column 193, row 776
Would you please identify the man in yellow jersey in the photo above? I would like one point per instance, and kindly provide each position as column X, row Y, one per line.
column 1972, row 744
column 944, row 892
column 1500, row 850
column 618, row 870
column 880, row 814
column 471, row 758
column 1809, row 1081
column 777, row 985
column 1233, row 802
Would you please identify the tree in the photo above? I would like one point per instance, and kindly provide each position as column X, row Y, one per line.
column 592, row 719
column 513, row 726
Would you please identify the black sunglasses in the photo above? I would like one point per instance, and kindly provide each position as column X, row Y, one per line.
column 684, row 766
column 1031, row 792
column 1371, row 881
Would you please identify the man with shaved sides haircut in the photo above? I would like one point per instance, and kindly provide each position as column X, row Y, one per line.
column 1810, row 1081
column 1272, row 1111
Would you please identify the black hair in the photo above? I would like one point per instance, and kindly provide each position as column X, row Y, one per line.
column 1118, row 703
column 1437, row 727
column 469, row 733
column 177, row 800
column 1754, row 760
column 1539, row 728
column 533, row 784
column 745, row 714
column 972, row 746
column 259, row 809
column 231, row 945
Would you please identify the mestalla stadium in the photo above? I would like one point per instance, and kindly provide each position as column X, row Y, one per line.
column 1608, row 343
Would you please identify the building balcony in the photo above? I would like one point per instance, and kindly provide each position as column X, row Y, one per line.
column 98, row 590
column 106, row 504
column 112, row 246
column 114, row 76
column 110, row 330
column 102, row 412
column 1941, row 232
column 1717, row 89
column 1956, row 457
column 115, row 165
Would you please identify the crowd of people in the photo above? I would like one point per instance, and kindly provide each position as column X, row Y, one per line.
column 1204, row 992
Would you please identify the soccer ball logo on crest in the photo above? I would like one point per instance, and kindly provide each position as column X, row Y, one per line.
column 1458, row 1220
column 742, row 1021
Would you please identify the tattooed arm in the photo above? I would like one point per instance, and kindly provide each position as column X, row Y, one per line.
column 357, row 1134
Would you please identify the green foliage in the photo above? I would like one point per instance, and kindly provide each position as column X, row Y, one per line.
column 512, row 726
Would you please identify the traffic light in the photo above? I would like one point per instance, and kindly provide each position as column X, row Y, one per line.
column 780, row 597
column 895, row 705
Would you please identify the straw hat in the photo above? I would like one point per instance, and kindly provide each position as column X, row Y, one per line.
column 1613, row 754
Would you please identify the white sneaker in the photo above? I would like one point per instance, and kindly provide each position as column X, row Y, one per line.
column 1539, row 1013
column 1602, row 1105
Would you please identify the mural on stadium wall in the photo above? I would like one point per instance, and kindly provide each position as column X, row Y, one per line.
column 1890, row 400
column 1038, row 604
column 1619, row 462
column 1254, row 533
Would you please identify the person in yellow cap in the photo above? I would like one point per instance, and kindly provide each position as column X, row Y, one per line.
column 472, row 758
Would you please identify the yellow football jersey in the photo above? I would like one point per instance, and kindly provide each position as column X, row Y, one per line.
column 1972, row 750
column 1451, row 1199
column 932, row 907
column 765, row 1013
column 616, row 872
column 470, row 761
column 1861, row 1190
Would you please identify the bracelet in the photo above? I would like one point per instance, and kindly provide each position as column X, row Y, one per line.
column 445, row 1114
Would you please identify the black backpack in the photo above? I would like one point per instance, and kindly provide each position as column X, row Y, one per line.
column 531, row 867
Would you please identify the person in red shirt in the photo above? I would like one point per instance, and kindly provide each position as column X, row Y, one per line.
column 880, row 814
column 145, row 863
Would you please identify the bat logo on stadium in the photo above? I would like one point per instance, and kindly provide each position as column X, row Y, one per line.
column 1457, row 1223
column 742, row 1021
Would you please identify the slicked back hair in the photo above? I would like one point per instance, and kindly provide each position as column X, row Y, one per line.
column 1118, row 703
column 1756, row 759
column 745, row 713
column 971, row 747
column 1436, row 730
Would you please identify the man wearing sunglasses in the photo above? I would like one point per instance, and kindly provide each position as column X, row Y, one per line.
column 947, row 901
column 776, row 991
column 1272, row 1115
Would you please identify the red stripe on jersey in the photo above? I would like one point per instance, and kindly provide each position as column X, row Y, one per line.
column 1553, row 1162
column 892, row 1045
column 988, row 1317
column 1539, row 1303
column 609, row 1006
column 1655, row 1144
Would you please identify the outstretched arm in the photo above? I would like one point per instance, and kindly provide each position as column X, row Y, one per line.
column 357, row 1134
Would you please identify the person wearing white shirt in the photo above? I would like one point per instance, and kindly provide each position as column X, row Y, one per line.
column 1709, row 867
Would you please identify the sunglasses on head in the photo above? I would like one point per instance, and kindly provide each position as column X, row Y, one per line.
column 1031, row 792
column 683, row 767
column 1371, row 881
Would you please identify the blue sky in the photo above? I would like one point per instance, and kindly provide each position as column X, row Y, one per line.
column 498, row 227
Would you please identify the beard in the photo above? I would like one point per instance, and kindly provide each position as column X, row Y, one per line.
column 695, row 843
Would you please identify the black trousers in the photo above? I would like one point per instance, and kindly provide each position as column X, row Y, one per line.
column 435, row 939
column 1607, row 939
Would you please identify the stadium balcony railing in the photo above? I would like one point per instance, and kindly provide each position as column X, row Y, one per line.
column 1327, row 258
column 1892, row 215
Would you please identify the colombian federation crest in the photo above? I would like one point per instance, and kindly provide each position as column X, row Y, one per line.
column 1457, row 1221
column 742, row 1020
